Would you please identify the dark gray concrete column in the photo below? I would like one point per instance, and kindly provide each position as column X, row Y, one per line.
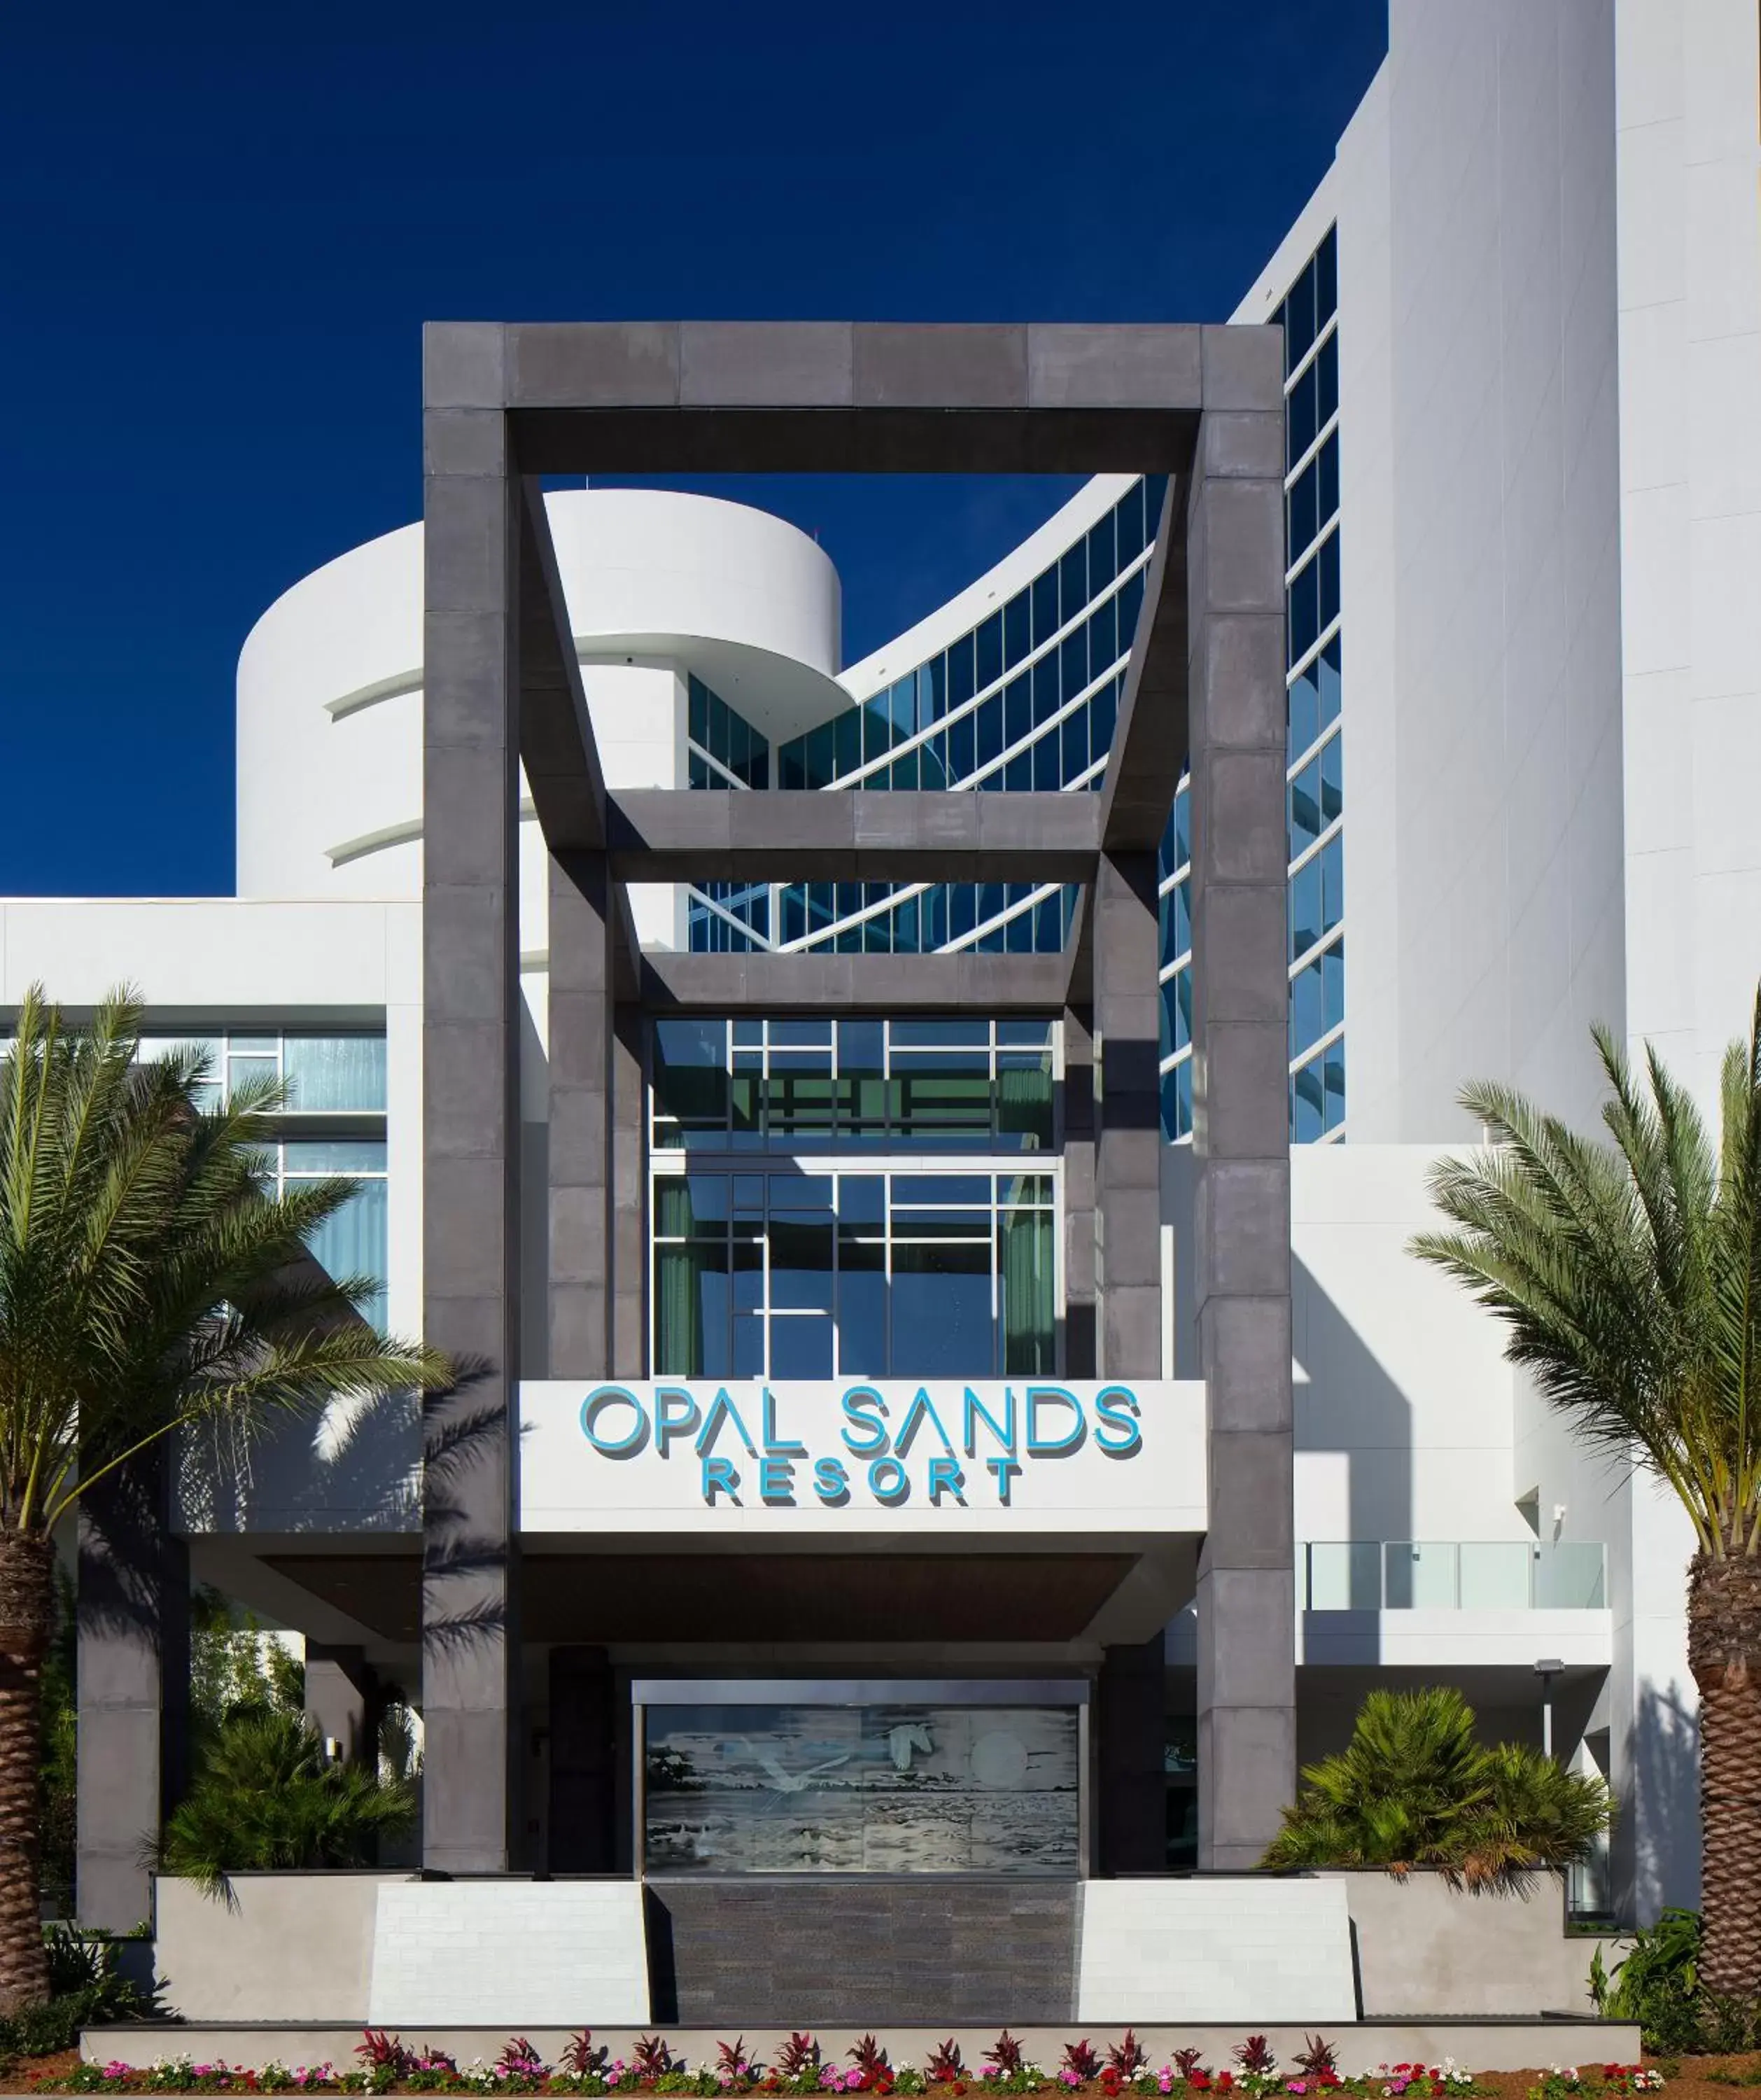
column 583, row 1761
column 133, row 1690
column 1235, row 579
column 629, row 1198
column 342, row 1699
column 1128, row 1153
column 471, row 1081
column 1129, row 1731
column 1080, row 1341
column 581, row 1217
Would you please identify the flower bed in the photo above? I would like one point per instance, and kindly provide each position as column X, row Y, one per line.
column 385, row 2064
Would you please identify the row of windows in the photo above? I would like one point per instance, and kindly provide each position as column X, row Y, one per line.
column 856, row 745
column 1317, row 998
column 717, row 732
column 1315, row 791
column 792, row 1275
column 353, row 1240
column 328, row 1073
column 1317, row 1096
column 1000, row 644
column 1312, row 700
column 1311, row 402
column 1315, row 796
column 1317, row 896
column 990, row 918
column 979, row 1084
column 1311, row 303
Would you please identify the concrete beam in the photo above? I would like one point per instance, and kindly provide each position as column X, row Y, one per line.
column 580, row 1146
column 1240, row 1131
column 476, row 527
column 1150, row 742
column 1128, row 1170
column 556, row 737
column 851, row 835
column 828, row 396
column 853, row 984
column 132, row 1691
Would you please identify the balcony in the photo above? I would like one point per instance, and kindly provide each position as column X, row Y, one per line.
column 1453, row 1604
column 1402, row 1575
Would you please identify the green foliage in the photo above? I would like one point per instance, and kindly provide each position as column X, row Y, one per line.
column 1657, row 1983
column 149, row 1276
column 1629, row 1276
column 1415, row 1789
column 236, row 1668
column 87, row 1988
column 266, row 1798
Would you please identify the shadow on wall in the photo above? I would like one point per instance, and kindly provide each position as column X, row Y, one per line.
column 353, row 1470
column 1349, row 1404
column 1665, row 1834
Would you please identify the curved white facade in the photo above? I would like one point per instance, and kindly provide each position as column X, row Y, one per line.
column 658, row 585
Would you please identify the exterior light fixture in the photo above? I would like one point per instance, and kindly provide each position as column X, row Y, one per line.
column 1547, row 1669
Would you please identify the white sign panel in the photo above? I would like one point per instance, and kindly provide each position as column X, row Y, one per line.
column 1013, row 1456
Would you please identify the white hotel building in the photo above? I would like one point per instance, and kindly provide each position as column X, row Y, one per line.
column 1522, row 322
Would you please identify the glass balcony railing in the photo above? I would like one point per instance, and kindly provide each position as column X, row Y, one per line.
column 1451, row 1575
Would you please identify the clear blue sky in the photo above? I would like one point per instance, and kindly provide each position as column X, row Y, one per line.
column 225, row 225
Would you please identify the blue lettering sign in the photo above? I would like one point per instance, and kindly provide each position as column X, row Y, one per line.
column 1005, row 1470
column 945, row 1478
column 1077, row 1428
column 1116, row 1428
column 975, row 1411
column 596, row 1405
column 831, row 1482
column 722, row 1409
column 858, row 1397
column 772, row 1443
column 889, row 1483
column 720, row 1477
column 677, row 1415
column 922, row 1409
column 776, row 1483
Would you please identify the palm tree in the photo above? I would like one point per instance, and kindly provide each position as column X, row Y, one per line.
column 1415, row 1788
column 150, row 1278
column 1628, row 1279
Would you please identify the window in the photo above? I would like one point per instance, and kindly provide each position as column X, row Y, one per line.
column 786, row 1273
column 722, row 748
column 925, row 1085
column 1026, row 701
column 335, row 1073
column 352, row 1242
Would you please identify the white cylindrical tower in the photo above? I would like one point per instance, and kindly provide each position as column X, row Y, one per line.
column 661, row 587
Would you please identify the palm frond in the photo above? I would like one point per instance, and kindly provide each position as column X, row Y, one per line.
column 150, row 1274
column 1627, row 1273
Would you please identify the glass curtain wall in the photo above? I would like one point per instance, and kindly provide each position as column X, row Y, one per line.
column 1026, row 701
column 334, row 1124
column 855, row 1198
column 1314, row 792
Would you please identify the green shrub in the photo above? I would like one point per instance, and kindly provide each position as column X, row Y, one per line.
column 1414, row 1787
column 1658, row 1983
column 266, row 1798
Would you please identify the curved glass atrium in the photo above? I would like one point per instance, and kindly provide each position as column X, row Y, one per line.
column 1026, row 701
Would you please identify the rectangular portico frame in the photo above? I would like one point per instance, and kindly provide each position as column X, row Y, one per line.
column 506, row 403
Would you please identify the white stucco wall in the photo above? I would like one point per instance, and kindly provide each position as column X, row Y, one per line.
column 330, row 697
column 1474, row 196
column 1688, row 155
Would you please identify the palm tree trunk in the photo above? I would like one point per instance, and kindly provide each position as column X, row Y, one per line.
column 1724, row 1653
